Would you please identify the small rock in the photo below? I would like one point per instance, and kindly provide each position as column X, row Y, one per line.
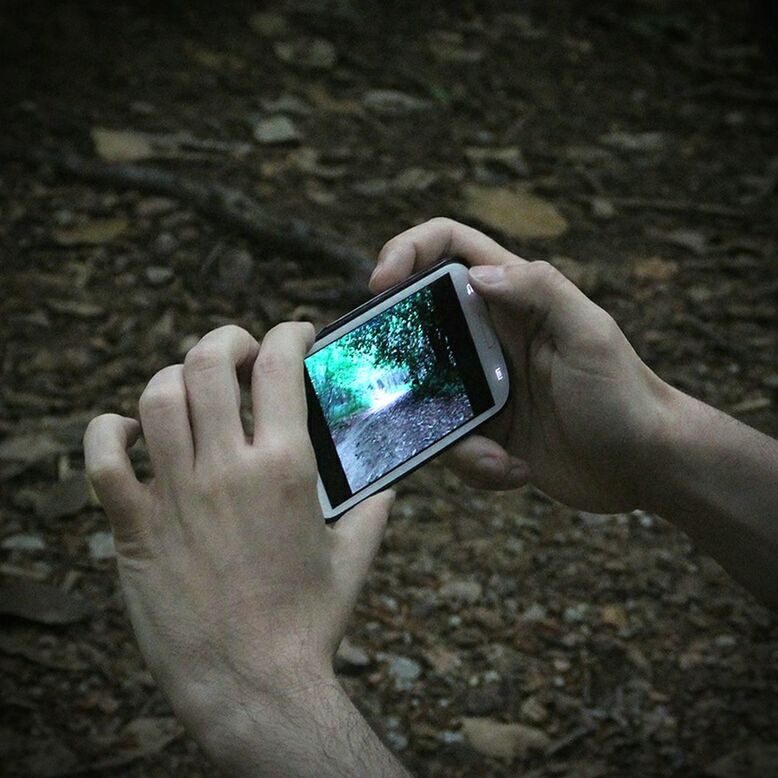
column 101, row 545
column 462, row 591
column 287, row 104
column 235, row 269
column 390, row 102
column 269, row 25
column 157, row 275
column 602, row 208
column 533, row 710
column 23, row 542
column 655, row 269
column 164, row 244
column 92, row 233
column 502, row 741
column 535, row 612
column 507, row 159
column 614, row 615
column 576, row 613
column 404, row 671
column 276, row 130
column 397, row 740
column 414, row 179
column 309, row 53
column 350, row 658
column 645, row 142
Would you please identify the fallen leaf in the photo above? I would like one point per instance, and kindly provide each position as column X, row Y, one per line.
column 92, row 233
column 64, row 498
column 41, row 603
column 503, row 741
column 515, row 213
column 758, row 760
column 655, row 269
column 121, row 145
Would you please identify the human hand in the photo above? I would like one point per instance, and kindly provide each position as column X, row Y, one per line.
column 238, row 592
column 584, row 410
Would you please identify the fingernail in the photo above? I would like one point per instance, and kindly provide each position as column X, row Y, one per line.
column 518, row 473
column 493, row 466
column 487, row 274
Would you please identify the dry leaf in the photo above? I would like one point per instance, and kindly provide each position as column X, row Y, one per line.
column 515, row 213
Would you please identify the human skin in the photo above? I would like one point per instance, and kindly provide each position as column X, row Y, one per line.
column 590, row 424
column 239, row 593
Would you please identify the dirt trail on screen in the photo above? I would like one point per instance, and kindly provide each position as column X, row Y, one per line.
column 410, row 424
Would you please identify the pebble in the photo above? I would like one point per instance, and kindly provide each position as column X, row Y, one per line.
column 235, row 268
column 157, row 275
column 502, row 741
column 164, row 244
column 391, row 102
column 404, row 671
column 350, row 658
column 468, row 592
column 23, row 542
column 535, row 612
column 276, row 130
column 101, row 545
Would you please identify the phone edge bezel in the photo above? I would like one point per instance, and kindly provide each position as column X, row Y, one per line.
column 500, row 389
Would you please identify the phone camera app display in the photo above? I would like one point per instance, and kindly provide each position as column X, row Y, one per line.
column 398, row 383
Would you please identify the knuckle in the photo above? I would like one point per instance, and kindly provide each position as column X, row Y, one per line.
column 289, row 465
column 202, row 358
column 272, row 362
column 106, row 471
column 161, row 394
column 544, row 274
column 442, row 222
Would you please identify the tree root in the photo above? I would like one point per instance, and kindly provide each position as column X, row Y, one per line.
column 222, row 204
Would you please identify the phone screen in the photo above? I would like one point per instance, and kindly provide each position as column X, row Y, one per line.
column 392, row 387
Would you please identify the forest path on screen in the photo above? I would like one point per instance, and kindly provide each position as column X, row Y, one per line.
column 373, row 442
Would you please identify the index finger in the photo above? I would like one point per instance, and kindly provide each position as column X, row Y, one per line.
column 278, row 385
column 425, row 244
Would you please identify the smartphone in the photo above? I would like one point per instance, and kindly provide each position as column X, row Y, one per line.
column 396, row 381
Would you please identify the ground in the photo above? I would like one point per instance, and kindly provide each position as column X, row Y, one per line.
column 412, row 424
column 638, row 143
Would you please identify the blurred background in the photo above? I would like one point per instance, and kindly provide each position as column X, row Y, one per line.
column 169, row 167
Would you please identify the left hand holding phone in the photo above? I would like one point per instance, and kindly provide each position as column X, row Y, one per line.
column 238, row 592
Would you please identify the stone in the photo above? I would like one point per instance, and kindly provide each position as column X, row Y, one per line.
column 307, row 53
column 645, row 142
column 502, row 741
column 121, row 145
column 269, row 25
column 404, row 671
column 533, row 710
column 235, row 269
column 91, row 233
column 276, row 130
column 158, row 275
column 602, row 208
column 101, row 545
column 350, row 658
column 516, row 213
column 23, row 541
column 391, row 102
column 164, row 244
column 507, row 159
column 463, row 591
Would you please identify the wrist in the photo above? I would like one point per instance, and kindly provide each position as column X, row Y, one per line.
column 236, row 722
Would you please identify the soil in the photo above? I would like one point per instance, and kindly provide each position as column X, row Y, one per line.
column 410, row 423
column 642, row 141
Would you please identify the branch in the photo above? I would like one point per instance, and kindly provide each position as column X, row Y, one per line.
column 223, row 204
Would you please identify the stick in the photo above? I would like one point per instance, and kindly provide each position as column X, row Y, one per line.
column 215, row 201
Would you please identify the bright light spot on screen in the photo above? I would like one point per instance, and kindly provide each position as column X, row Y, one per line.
column 498, row 373
column 470, row 289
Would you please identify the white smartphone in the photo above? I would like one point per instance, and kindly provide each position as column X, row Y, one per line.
column 396, row 381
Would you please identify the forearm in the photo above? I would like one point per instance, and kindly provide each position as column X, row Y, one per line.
column 717, row 479
column 313, row 730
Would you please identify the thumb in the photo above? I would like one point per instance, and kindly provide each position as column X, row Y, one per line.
column 534, row 290
column 358, row 535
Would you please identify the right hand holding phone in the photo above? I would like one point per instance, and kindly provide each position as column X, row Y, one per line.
column 584, row 411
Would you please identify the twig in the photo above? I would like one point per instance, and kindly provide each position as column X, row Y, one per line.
column 224, row 204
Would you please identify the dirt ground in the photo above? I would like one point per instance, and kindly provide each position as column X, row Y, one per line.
column 635, row 145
